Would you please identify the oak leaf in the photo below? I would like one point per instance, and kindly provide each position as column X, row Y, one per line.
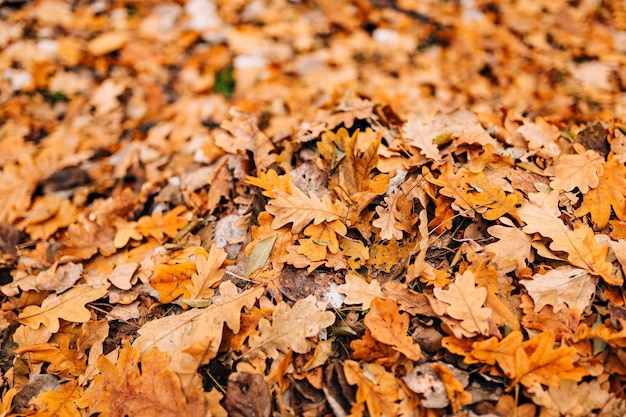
column 60, row 402
column 580, row 170
column 290, row 327
column 63, row 361
column 561, row 288
column 465, row 302
column 158, row 225
column 209, row 273
column 300, row 210
column 140, row 388
column 512, row 250
column 320, row 239
column 358, row 291
column 390, row 327
column 69, row 306
column 454, row 388
column 585, row 252
column 172, row 281
column 386, row 221
column 610, row 193
column 376, row 388
column 570, row 398
column 269, row 181
column 538, row 361
column 192, row 338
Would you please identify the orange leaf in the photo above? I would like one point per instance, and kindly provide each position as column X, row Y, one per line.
column 465, row 302
column 378, row 388
column 390, row 327
column 172, row 281
column 538, row 361
column 611, row 192
column 125, row 389
column 158, row 224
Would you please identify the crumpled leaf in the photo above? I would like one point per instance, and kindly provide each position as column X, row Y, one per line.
column 376, row 388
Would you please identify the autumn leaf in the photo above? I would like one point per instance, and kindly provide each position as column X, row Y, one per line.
column 193, row 337
column 512, row 250
column 290, row 327
column 561, row 288
column 583, row 251
column 570, row 398
column 386, row 221
column 69, row 306
column 378, row 391
column 610, row 193
column 61, row 402
column 158, row 225
column 358, row 291
column 580, row 170
column 538, row 361
column 465, row 302
column 140, row 387
column 208, row 273
column 300, row 210
column 456, row 392
column 172, row 281
column 390, row 327
column 269, row 181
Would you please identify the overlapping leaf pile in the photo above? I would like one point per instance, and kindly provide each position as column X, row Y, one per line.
column 312, row 251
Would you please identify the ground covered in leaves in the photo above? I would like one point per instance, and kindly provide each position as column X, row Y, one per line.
column 333, row 207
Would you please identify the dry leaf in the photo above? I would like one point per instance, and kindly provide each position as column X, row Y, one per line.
column 465, row 302
column 390, row 327
column 290, row 328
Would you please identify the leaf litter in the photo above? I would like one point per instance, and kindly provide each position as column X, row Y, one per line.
column 341, row 208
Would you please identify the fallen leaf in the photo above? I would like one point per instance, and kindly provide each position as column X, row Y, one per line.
column 140, row 387
column 291, row 327
column 390, row 327
column 69, row 306
column 465, row 302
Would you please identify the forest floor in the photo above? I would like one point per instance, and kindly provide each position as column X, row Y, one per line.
column 331, row 207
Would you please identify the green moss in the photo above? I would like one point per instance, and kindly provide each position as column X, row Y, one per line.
column 225, row 82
